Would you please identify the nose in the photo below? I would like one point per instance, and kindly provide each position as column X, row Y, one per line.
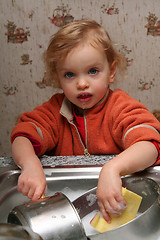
column 82, row 83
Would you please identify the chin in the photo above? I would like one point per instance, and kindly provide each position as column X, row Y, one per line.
column 86, row 106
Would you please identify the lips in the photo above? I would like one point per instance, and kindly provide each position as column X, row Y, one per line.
column 84, row 97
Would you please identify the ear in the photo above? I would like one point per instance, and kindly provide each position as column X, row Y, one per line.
column 113, row 69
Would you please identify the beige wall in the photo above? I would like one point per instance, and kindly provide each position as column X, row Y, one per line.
column 25, row 30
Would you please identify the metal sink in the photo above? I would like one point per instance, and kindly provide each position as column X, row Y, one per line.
column 73, row 182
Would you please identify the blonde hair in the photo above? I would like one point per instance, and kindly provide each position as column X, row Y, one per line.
column 70, row 36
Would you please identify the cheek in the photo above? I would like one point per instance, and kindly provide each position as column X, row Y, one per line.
column 68, row 90
column 101, row 87
column 102, row 82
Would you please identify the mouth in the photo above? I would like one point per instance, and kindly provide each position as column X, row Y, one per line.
column 84, row 97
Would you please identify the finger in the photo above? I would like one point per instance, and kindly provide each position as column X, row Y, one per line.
column 111, row 207
column 105, row 215
column 20, row 185
column 115, row 208
column 121, row 201
column 25, row 190
column 119, row 197
column 31, row 193
column 35, row 194
column 38, row 193
column 104, row 212
column 44, row 193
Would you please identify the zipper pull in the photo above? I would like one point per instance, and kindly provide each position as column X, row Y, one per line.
column 86, row 153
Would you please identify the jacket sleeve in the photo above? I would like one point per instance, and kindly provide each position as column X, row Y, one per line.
column 132, row 122
column 41, row 124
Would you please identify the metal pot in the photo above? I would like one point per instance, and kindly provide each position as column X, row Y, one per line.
column 52, row 217
column 12, row 232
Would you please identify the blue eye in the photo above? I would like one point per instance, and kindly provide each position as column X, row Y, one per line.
column 69, row 75
column 93, row 71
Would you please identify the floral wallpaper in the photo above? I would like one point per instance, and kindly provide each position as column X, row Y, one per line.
column 26, row 27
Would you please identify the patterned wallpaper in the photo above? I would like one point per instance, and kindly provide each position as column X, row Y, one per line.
column 26, row 27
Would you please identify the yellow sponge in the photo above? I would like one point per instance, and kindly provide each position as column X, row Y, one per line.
column 129, row 213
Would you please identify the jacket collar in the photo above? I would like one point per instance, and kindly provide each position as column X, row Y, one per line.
column 66, row 108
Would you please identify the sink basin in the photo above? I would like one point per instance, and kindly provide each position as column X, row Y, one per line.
column 73, row 182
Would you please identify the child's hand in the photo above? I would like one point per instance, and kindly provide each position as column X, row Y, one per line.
column 109, row 192
column 32, row 181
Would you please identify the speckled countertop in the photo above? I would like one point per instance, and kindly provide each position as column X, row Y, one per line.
column 64, row 161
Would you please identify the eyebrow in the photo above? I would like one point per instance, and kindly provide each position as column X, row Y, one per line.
column 64, row 69
column 96, row 64
column 88, row 67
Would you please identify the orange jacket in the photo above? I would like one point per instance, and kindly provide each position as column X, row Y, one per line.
column 112, row 126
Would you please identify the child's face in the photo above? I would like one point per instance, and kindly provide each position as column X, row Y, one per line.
column 84, row 75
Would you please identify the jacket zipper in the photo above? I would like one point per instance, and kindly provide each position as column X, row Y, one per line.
column 86, row 153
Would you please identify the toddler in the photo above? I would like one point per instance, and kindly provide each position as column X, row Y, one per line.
column 87, row 118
